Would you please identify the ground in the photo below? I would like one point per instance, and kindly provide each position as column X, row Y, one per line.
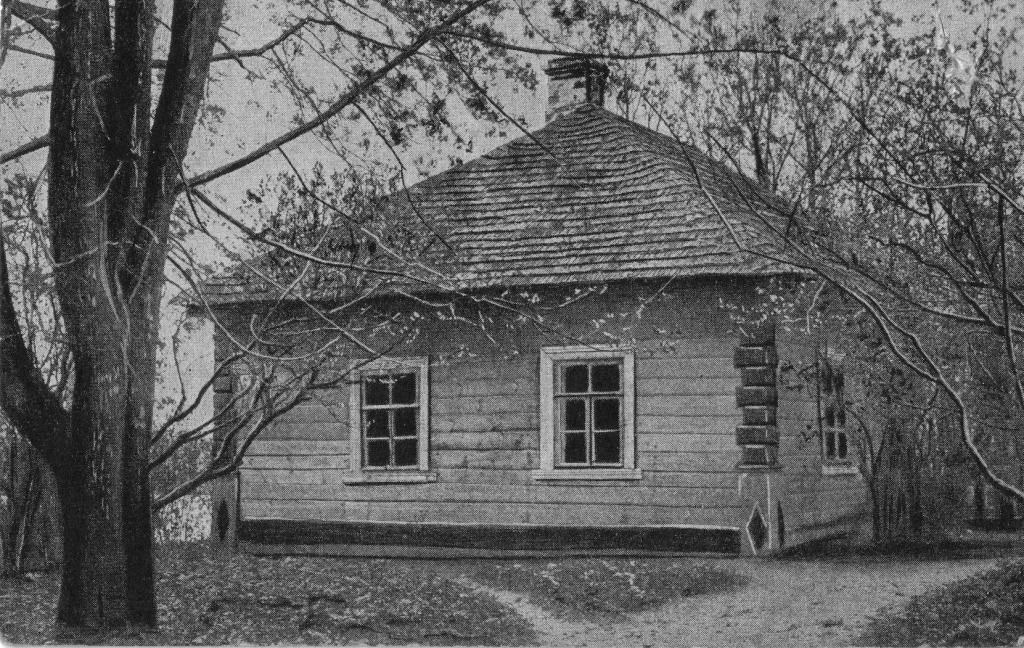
column 831, row 596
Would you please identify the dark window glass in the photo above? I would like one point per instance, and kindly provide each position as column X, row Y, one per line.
column 391, row 420
column 404, row 389
column 575, row 448
column 606, row 447
column 376, row 424
column 606, row 414
column 830, row 416
column 576, row 378
column 605, row 378
column 575, row 414
column 405, row 422
column 841, row 452
column 840, row 417
column 830, row 444
column 377, row 453
column 405, row 452
column 375, row 391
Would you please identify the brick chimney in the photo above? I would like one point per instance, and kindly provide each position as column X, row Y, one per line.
column 573, row 81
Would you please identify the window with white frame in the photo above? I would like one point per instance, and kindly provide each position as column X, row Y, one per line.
column 587, row 412
column 835, row 443
column 389, row 419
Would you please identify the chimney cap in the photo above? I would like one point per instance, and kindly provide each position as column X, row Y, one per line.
column 568, row 67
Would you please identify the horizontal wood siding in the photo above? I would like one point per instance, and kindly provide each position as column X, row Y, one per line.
column 814, row 504
column 484, row 431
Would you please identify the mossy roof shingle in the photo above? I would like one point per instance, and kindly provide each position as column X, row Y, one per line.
column 591, row 197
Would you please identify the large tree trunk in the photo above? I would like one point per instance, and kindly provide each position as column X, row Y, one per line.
column 115, row 170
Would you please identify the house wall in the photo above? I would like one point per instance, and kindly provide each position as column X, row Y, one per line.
column 484, row 427
column 817, row 499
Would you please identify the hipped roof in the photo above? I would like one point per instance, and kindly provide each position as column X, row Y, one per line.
column 589, row 198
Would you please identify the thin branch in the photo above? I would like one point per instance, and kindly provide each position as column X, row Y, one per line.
column 26, row 148
column 341, row 103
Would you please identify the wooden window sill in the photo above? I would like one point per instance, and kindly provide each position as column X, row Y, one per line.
column 389, row 477
column 839, row 468
column 593, row 474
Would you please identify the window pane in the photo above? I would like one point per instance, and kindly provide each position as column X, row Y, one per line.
column 830, row 445
column 606, row 413
column 375, row 390
column 405, row 421
column 840, row 417
column 404, row 389
column 825, row 378
column 830, row 416
column 376, row 424
column 606, row 447
column 405, row 452
column 575, row 448
column 574, row 416
column 605, row 377
column 575, row 378
column 377, row 453
column 841, row 452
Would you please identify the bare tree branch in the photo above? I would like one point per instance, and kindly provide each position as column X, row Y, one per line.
column 40, row 18
column 342, row 102
column 24, row 396
column 26, row 148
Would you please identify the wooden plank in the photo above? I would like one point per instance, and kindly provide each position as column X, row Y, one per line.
column 675, row 442
column 486, row 513
column 272, row 448
column 449, row 493
column 494, row 537
column 318, row 431
column 296, row 462
column 686, row 424
column 501, row 459
column 466, row 386
column 493, row 405
column 485, row 368
column 721, row 405
column 698, row 365
column 690, row 461
column 315, row 415
column 485, row 440
column 686, row 386
column 666, row 479
column 485, row 422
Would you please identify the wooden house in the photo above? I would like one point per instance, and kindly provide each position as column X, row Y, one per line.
column 638, row 416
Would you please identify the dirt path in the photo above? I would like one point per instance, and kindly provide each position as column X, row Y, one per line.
column 784, row 603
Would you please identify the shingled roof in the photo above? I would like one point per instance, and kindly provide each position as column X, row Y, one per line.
column 589, row 198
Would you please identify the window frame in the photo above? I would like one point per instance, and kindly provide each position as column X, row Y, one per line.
column 550, row 438
column 361, row 370
column 833, row 397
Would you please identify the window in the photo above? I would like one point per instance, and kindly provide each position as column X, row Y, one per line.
column 832, row 412
column 389, row 420
column 587, row 400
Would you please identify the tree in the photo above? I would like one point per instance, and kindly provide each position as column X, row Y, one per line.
column 903, row 172
column 120, row 127
column 29, row 521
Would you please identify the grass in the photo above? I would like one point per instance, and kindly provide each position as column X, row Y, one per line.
column 936, row 544
column 984, row 610
column 606, row 590
column 287, row 601
column 306, row 600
